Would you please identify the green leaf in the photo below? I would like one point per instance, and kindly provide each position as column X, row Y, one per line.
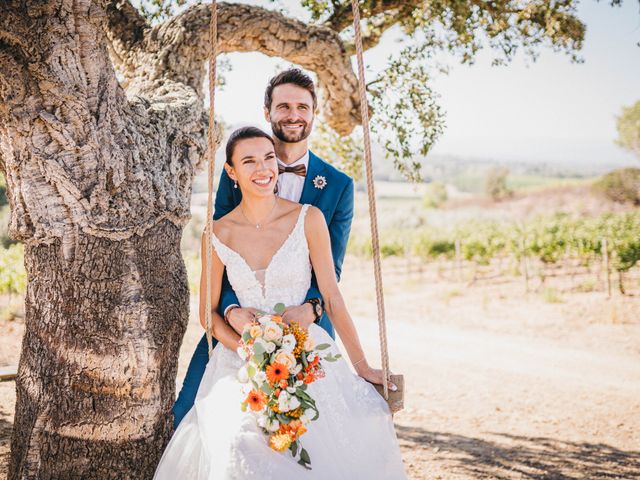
column 258, row 349
column 279, row 308
column 283, row 418
column 305, row 460
column 303, row 395
column 322, row 346
column 243, row 406
column 304, row 455
column 258, row 359
column 332, row 358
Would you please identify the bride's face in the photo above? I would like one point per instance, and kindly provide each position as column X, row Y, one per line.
column 255, row 167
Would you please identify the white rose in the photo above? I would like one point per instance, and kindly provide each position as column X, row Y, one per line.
column 283, row 401
column 294, row 403
column 272, row 425
column 260, row 378
column 307, row 415
column 270, row 347
column 297, row 369
column 272, row 331
column 291, row 389
column 255, row 331
column 288, row 342
column 309, row 344
column 286, row 358
column 243, row 375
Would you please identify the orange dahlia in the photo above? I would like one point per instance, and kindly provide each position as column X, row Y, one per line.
column 256, row 400
column 297, row 413
column 277, row 372
column 280, row 441
column 294, row 428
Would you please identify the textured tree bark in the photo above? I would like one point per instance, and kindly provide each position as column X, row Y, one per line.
column 99, row 357
column 99, row 188
column 99, row 184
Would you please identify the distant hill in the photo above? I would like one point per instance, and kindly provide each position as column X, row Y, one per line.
column 468, row 174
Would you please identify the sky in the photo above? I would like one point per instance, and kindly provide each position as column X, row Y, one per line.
column 551, row 110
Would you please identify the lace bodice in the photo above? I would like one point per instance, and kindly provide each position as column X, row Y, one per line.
column 286, row 278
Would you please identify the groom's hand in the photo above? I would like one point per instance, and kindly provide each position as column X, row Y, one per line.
column 238, row 317
column 303, row 314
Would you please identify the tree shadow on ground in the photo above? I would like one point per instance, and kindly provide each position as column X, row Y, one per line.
column 514, row 456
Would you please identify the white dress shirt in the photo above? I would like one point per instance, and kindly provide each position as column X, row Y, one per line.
column 290, row 185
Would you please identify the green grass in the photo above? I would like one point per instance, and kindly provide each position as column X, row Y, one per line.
column 533, row 183
column 551, row 295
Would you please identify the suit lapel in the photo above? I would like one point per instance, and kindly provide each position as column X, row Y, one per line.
column 309, row 191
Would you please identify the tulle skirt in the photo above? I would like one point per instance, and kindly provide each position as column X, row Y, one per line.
column 353, row 438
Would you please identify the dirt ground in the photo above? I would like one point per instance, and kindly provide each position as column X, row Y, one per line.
column 499, row 384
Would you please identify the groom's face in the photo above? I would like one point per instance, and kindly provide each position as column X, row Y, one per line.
column 291, row 113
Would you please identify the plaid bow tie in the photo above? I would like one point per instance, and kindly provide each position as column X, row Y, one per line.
column 300, row 170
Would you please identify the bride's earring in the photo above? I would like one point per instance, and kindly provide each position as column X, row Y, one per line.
column 235, row 184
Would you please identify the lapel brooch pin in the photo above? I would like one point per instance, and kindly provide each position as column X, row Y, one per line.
column 320, row 182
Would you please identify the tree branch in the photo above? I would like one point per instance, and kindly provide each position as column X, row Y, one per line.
column 125, row 29
column 342, row 16
column 374, row 29
column 177, row 50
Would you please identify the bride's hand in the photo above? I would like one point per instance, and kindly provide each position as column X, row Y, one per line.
column 238, row 317
column 374, row 375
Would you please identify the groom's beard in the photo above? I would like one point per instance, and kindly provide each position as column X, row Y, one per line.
column 280, row 134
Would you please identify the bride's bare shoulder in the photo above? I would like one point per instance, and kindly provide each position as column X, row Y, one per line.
column 314, row 221
column 287, row 206
column 223, row 226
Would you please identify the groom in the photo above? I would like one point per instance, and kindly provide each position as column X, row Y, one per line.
column 289, row 106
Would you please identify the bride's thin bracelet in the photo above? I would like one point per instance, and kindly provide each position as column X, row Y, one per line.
column 359, row 361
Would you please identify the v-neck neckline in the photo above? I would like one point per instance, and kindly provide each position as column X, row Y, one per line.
column 266, row 269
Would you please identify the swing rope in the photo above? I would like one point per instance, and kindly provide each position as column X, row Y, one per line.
column 211, row 160
column 364, row 112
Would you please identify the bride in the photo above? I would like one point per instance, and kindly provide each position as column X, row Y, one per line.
column 268, row 246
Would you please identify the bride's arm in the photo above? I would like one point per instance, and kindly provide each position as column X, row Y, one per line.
column 319, row 241
column 220, row 329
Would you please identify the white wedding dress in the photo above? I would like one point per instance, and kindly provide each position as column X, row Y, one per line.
column 353, row 438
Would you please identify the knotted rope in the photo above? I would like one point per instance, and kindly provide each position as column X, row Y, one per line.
column 211, row 160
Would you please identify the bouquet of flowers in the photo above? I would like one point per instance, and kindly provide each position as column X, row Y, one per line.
column 281, row 361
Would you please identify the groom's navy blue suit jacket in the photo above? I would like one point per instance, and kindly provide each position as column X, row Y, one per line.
column 335, row 201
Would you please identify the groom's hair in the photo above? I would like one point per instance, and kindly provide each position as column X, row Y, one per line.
column 243, row 133
column 294, row 76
